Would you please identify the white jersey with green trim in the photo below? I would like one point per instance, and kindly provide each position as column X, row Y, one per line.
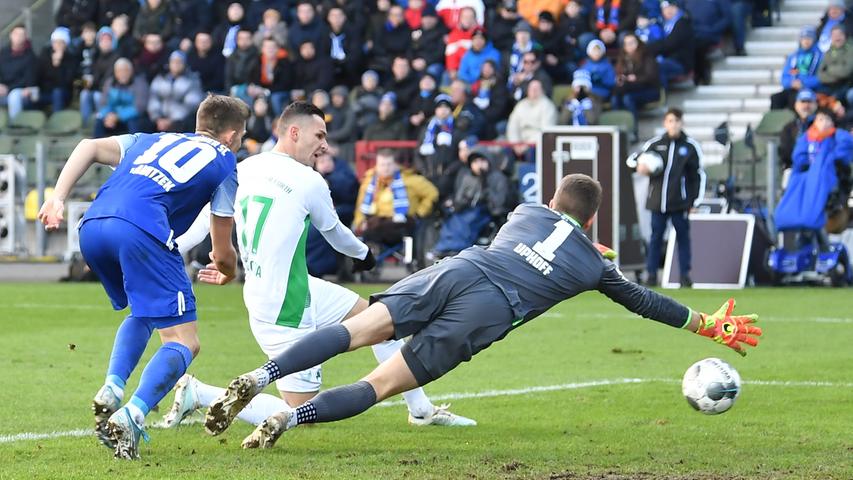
column 277, row 199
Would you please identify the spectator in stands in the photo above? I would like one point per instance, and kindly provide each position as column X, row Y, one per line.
column 558, row 54
column 451, row 11
column 531, row 70
column 413, row 12
column 608, row 19
column 427, row 48
column 459, row 41
column 500, row 26
column 480, row 195
column 836, row 68
column 275, row 74
column 529, row 117
column 125, row 99
column 800, row 71
column 480, row 51
column 174, row 97
column 366, row 100
column 307, row 28
column 273, row 27
column 391, row 200
column 709, row 19
column 836, row 14
column 389, row 126
column 422, row 105
column 242, row 66
column 57, row 69
column 741, row 12
column 391, row 41
column 191, row 17
column 109, row 10
column 123, row 41
column 377, row 21
column 673, row 191
column 225, row 33
column 340, row 123
column 344, row 46
column 257, row 9
column 310, row 71
column 648, row 29
column 523, row 43
column 532, row 10
column 152, row 59
column 436, row 153
column 578, row 108
column 468, row 118
column 85, row 48
column 19, row 72
column 489, row 93
column 207, row 63
column 155, row 16
column 403, row 82
column 73, row 14
column 601, row 75
column 637, row 79
column 322, row 259
column 572, row 26
column 675, row 50
column 102, row 68
column 805, row 108
column 259, row 125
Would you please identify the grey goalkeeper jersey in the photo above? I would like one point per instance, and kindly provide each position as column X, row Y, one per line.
column 541, row 257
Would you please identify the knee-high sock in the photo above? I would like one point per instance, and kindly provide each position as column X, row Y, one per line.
column 416, row 399
column 131, row 339
column 336, row 404
column 160, row 375
column 261, row 407
column 313, row 349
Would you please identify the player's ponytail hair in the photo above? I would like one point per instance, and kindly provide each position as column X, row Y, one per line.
column 578, row 196
column 219, row 113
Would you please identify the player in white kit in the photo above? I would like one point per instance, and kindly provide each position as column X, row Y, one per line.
column 278, row 198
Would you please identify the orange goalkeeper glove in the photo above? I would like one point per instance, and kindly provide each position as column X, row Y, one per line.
column 730, row 330
column 606, row 251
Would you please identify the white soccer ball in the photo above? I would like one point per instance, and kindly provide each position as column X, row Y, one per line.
column 711, row 386
column 652, row 161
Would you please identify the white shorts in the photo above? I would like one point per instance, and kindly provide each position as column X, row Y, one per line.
column 329, row 305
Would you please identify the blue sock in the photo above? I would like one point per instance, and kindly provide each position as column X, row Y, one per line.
column 131, row 339
column 161, row 374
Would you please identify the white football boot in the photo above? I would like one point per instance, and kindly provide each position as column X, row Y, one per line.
column 443, row 417
column 105, row 403
column 125, row 434
column 224, row 409
column 186, row 402
column 266, row 434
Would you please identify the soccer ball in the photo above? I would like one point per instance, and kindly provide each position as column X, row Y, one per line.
column 652, row 161
column 711, row 386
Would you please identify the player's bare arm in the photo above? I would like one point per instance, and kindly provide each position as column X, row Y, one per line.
column 223, row 256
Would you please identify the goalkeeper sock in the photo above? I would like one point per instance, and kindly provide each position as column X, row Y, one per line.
column 131, row 339
column 258, row 410
column 419, row 404
column 161, row 374
column 313, row 349
column 335, row 404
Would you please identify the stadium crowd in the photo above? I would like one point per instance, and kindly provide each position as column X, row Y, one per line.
column 446, row 74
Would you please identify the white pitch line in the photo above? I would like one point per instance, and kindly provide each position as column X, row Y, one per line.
column 19, row 437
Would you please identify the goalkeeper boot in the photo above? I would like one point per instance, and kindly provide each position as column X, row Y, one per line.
column 442, row 416
column 186, row 401
column 105, row 403
column 224, row 409
column 266, row 434
column 125, row 433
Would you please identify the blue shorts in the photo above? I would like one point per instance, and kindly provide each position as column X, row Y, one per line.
column 137, row 269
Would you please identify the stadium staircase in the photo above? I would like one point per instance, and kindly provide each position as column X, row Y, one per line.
column 741, row 86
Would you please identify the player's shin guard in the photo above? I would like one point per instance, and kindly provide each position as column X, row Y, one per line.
column 313, row 349
column 162, row 372
column 337, row 404
column 131, row 339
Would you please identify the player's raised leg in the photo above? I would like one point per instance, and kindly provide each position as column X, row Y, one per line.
column 370, row 327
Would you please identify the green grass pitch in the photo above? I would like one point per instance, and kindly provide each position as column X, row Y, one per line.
column 794, row 418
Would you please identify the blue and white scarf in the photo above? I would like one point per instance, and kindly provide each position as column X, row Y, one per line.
column 398, row 190
column 670, row 24
column 337, row 51
column 433, row 132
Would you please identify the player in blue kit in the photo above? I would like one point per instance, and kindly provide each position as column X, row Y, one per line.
column 160, row 184
column 458, row 307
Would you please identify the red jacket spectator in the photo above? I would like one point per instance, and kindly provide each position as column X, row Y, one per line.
column 459, row 40
column 451, row 10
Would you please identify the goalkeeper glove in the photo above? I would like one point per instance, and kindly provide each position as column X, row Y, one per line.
column 730, row 330
column 606, row 251
column 359, row 265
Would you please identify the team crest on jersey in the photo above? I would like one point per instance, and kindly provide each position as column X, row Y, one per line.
column 682, row 150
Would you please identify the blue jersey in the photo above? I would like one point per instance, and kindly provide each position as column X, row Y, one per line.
column 164, row 180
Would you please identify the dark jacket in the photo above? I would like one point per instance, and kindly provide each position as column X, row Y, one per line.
column 350, row 67
column 191, row 17
column 430, row 45
column 74, row 13
column 61, row 76
column 110, row 9
column 314, row 74
column 242, row 67
column 644, row 66
column 681, row 181
column 500, row 32
column 788, row 138
column 388, row 43
column 492, row 98
column 19, row 69
column 709, row 18
column 315, row 32
column 572, row 28
column 102, row 68
column 392, row 128
column 340, row 125
column 160, row 20
column 490, row 190
column 406, row 90
column 678, row 45
column 210, row 69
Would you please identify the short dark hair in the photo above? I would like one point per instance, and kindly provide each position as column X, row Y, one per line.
column 829, row 113
column 386, row 152
column 220, row 113
column 578, row 196
column 296, row 110
column 675, row 111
